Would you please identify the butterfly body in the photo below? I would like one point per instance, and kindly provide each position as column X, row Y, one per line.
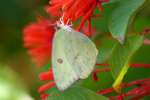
column 73, row 57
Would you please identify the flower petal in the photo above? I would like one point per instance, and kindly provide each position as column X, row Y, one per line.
column 38, row 40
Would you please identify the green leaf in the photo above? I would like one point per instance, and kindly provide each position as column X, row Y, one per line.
column 75, row 93
column 121, row 57
column 105, row 50
column 121, row 15
column 112, row 1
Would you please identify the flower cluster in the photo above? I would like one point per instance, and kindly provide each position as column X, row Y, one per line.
column 142, row 88
column 73, row 10
column 38, row 40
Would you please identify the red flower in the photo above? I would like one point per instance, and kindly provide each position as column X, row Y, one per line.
column 72, row 10
column 38, row 39
column 141, row 89
column 46, row 76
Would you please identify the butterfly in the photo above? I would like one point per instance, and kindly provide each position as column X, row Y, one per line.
column 73, row 56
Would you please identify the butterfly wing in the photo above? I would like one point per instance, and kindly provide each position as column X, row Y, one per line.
column 73, row 57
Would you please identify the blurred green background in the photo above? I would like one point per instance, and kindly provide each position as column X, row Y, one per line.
column 14, row 16
column 15, row 65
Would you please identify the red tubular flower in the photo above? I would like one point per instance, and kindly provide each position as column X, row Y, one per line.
column 46, row 76
column 38, row 40
column 142, row 88
column 72, row 10
column 134, row 65
column 88, row 30
column 46, row 87
column 94, row 76
column 44, row 96
column 105, row 91
column 55, row 9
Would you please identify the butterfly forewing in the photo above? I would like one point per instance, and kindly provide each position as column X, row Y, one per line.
column 73, row 57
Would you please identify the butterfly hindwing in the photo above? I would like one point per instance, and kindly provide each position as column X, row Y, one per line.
column 73, row 57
